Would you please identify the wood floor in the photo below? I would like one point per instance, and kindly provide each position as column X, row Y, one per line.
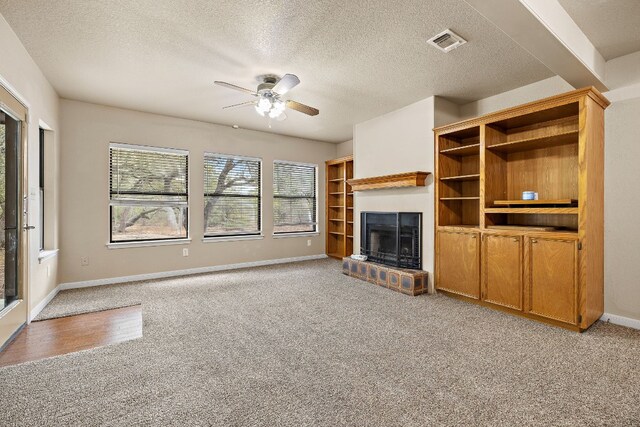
column 55, row 337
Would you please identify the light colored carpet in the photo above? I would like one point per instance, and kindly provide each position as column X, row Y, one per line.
column 302, row 345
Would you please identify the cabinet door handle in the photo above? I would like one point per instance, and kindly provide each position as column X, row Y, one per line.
column 534, row 241
column 515, row 239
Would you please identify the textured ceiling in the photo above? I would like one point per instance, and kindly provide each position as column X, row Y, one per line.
column 356, row 59
column 613, row 26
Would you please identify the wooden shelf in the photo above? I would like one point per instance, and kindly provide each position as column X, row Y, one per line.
column 350, row 207
column 570, row 137
column 460, row 227
column 520, row 227
column 408, row 179
column 338, row 171
column 535, row 202
column 460, row 198
column 349, row 237
column 349, row 222
column 472, row 177
column 465, row 150
column 559, row 211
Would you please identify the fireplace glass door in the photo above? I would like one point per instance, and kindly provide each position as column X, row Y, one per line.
column 392, row 238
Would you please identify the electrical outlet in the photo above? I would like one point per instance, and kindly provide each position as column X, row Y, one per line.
column 84, row 261
column 308, row 242
column 185, row 252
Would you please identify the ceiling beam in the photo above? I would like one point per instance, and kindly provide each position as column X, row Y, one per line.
column 547, row 32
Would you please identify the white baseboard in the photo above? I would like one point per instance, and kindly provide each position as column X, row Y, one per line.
column 620, row 320
column 38, row 308
column 174, row 273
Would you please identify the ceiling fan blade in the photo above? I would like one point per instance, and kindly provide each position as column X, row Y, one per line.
column 302, row 108
column 242, row 104
column 230, row 86
column 286, row 83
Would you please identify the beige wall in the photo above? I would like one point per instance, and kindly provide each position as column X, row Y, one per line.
column 344, row 149
column 87, row 130
column 621, row 204
column 542, row 89
column 23, row 77
column 400, row 141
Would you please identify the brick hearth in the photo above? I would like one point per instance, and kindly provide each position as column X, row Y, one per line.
column 410, row 282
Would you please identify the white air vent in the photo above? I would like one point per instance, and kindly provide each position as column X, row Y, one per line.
column 446, row 40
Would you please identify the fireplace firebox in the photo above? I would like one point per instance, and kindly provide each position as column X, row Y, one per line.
column 392, row 238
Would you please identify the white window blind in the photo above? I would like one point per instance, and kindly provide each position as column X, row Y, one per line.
column 148, row 193
column 294, row 198
column 232, row 190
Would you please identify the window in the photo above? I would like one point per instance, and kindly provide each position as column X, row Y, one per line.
column 41, row 184
column 294, row 198
column 231, row 195
column 148, row 193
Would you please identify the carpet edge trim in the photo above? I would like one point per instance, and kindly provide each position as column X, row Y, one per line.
column 621, row 320
column 186, row 272
column 42, row 304
column 90, row 311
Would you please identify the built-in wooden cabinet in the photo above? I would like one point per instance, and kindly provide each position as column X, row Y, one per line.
column 339, row 207
column 540, row 258
column 502, row 265
column 552, row 278
column 458, row 264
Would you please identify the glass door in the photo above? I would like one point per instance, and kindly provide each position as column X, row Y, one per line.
column 13, row 287
column 9, row 204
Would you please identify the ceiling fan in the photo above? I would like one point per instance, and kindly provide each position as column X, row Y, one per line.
column 268, row 93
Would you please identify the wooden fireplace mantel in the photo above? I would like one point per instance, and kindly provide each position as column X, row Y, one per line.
column 407, row 179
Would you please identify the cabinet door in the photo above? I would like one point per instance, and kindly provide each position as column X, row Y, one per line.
column 552, row 278
column 502, row 270
column 458, row 263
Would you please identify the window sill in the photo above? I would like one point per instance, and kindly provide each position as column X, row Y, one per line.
column 142, row 244
column 288, row 235
column 47, row 254
column 232, row 238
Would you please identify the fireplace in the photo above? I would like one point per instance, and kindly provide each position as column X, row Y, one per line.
column 392, row 238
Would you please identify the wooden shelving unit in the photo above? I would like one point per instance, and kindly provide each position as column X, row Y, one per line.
column 541, row 259
column 458, row 177
column 339, row 204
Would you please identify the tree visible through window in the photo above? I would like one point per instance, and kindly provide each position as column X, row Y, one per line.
column 148, row 193
column 231, row 195
column 294, row 198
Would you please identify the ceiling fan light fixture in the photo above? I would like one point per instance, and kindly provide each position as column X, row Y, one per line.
column 263, row 106
column 278, row 106
column 268, row 102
